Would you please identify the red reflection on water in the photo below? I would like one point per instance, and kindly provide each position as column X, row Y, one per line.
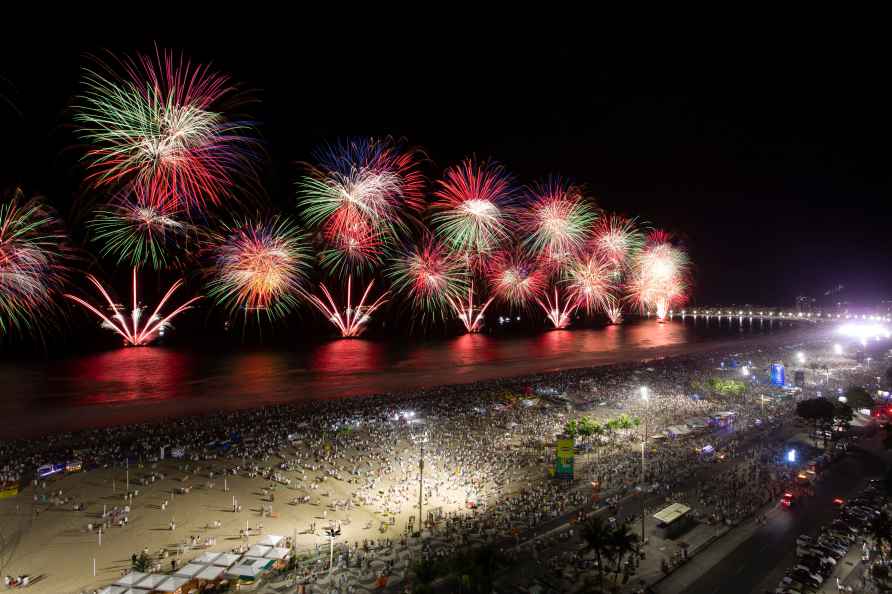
column 470, row 349
column 127, row 374
column 348, row 356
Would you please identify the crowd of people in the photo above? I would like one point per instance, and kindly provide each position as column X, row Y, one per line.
column 486, row 448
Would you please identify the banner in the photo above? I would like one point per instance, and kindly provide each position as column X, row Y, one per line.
column 8, row 491
column 563, row 463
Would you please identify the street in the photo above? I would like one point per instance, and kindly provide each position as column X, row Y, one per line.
column 759, row 562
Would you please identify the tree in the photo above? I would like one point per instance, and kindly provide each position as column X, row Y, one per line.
column 857, row 397
column 815, row 410
column 889, row 375
column 596, row 536
column 620, row 542
column 424, row 573
column 142, row 562
column 571, row 429
column 477, row 568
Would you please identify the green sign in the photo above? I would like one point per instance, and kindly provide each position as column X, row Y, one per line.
column 563, row 462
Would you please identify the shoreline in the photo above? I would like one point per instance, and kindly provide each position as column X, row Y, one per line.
column 680, row 351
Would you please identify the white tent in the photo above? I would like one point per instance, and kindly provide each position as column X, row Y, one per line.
column 171, row 584
column 271, row 540
column 131, row 579
column 258, row 551
column 115, row 590
column 249, row 567
column 150, row 581
column 210, row 573
column 278, row 553
column 226, row 559
column 189, row 571
column 206, row 558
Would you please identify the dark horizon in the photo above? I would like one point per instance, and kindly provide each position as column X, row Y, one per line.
column 772, row 170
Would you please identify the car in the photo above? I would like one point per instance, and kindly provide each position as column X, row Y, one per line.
column 820, row 555
column 810, row 571
column 830, row 551
column 788, row 500
column 836, row 545
column 803, row 538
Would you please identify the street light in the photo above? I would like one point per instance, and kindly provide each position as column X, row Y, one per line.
column 645, row 399
column 332, row 533
column 421, row 439
column 837, row 349
column 800, row 356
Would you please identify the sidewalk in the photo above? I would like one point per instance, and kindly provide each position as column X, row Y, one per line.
column 707, row 553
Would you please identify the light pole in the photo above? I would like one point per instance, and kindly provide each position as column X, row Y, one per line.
column 421, row 439
column 332, row 533
column 644, row 397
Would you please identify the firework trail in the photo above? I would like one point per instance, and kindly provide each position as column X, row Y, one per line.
column 474, row 207
column 259, row 267
column 613, row 309
column 558, row 308
column 589, row 283
column 557, row 223
column 138, row 229
column 470, row 312
column 137, row 330
column 350, row 320
column 161, row 122
column 431, row 276
column 33, row 263
column 659, row 275
column 515, row 279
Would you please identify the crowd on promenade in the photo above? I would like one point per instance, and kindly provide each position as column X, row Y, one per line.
column 486, row 447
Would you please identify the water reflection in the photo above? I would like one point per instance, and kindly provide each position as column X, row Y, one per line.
column 135, row 384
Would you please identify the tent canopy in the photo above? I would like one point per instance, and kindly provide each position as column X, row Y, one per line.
column 671, row 513
column 130, row 579
column 271, row 540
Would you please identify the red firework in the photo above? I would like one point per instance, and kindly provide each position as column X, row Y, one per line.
column 515, row 279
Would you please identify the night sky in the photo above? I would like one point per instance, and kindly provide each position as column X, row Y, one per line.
column 771, row 166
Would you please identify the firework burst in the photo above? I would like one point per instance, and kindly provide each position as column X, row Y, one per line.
column 474, row 207
column 430, row 275
column 138, row 229
column 557, row 224
column 136, row 329
column 373, row 181
column 659, row 275
column 617, row 240
column 515, row 279
column 33, row 260
column 160, row 121
column 259, row 267
column 589, row 283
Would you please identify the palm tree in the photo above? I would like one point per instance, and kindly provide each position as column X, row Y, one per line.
column 424, row 573
column 621, row 542
column 612, row 425
column 596, row 536
column 571, row 428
